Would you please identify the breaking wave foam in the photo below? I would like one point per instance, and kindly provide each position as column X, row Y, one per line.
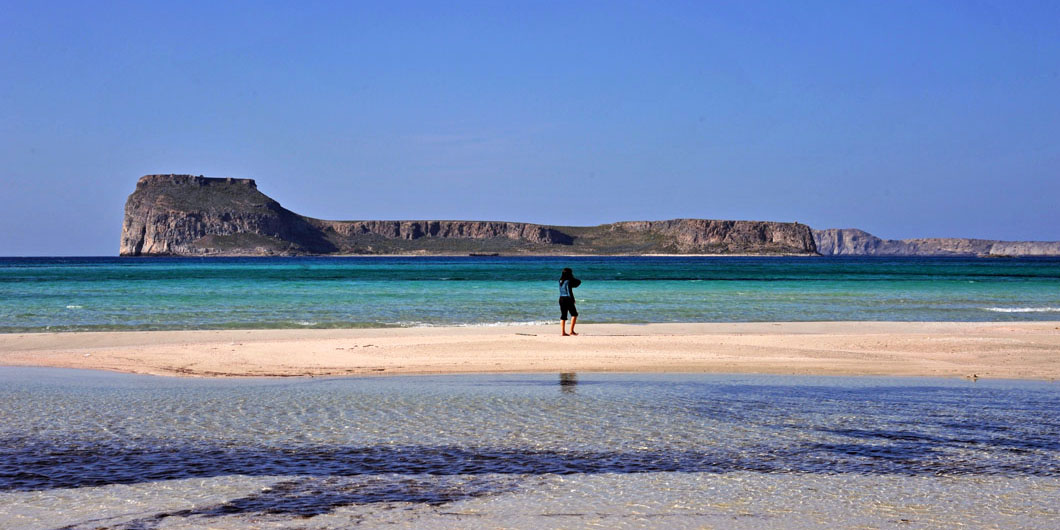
column 1023, row 309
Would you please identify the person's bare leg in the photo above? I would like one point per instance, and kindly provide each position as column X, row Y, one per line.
column 563, row 327
column 573, row 320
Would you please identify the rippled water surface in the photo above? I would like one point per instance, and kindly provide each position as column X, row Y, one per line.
column 88, row 449
column 79, row 294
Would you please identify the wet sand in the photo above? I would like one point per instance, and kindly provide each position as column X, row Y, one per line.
column 1020, row 350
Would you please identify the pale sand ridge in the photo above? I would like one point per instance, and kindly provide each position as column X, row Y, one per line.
column 1023, row 350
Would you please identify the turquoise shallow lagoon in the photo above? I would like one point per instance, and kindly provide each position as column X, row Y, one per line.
column 95, row 294
column 89, row 449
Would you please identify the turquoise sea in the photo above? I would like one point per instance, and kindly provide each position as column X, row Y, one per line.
column 85, row 449
column 75, row 294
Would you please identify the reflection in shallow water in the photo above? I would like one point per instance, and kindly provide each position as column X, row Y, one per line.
column 335, row 450
column 568, row 381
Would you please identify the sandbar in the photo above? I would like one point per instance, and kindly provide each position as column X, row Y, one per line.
column 1010, row 350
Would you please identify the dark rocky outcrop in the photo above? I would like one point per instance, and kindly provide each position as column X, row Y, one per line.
column 193, row 215
column 854, row 242
column 188, row 215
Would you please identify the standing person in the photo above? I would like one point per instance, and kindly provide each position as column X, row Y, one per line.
column 567, row 283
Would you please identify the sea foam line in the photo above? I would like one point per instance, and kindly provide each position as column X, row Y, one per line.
column 1023, row 309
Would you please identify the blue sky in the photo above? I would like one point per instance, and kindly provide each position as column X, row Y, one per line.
column 906, row 119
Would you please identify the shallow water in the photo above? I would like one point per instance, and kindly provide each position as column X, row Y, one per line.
column 72, row 294
column 89, row 449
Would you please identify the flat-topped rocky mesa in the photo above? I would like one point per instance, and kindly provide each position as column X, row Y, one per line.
column 185, row 215
column 854, row 242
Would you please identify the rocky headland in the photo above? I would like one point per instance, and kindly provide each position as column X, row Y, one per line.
column 186, row 215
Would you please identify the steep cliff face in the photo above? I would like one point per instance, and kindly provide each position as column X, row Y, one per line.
column 1025, row 248
column 709, row 236
column 194, row 215
column 854, row 242
column 411, row 230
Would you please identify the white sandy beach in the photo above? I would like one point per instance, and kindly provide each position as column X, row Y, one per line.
column 1023, row 350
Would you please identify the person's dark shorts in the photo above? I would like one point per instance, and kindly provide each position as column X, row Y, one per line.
column 566, row 305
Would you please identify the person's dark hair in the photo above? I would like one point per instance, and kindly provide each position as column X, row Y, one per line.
column 566, row 275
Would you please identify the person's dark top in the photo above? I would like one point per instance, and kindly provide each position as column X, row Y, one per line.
column 566, row 287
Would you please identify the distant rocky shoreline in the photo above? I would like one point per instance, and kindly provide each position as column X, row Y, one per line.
column 186, row 215
column 854, row 242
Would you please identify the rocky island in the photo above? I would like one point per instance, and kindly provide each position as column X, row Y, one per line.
column 186, row 215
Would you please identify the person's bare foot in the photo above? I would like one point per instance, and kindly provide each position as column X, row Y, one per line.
column 573, row 333
column 566, row 334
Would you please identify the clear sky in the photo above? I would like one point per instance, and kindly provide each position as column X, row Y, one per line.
column 906, row 119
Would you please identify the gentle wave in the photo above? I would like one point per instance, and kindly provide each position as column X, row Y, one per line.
column 1023, row 309
column 510, row 324
column 418, row 324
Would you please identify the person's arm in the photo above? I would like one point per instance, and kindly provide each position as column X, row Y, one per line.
column 574, row 282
